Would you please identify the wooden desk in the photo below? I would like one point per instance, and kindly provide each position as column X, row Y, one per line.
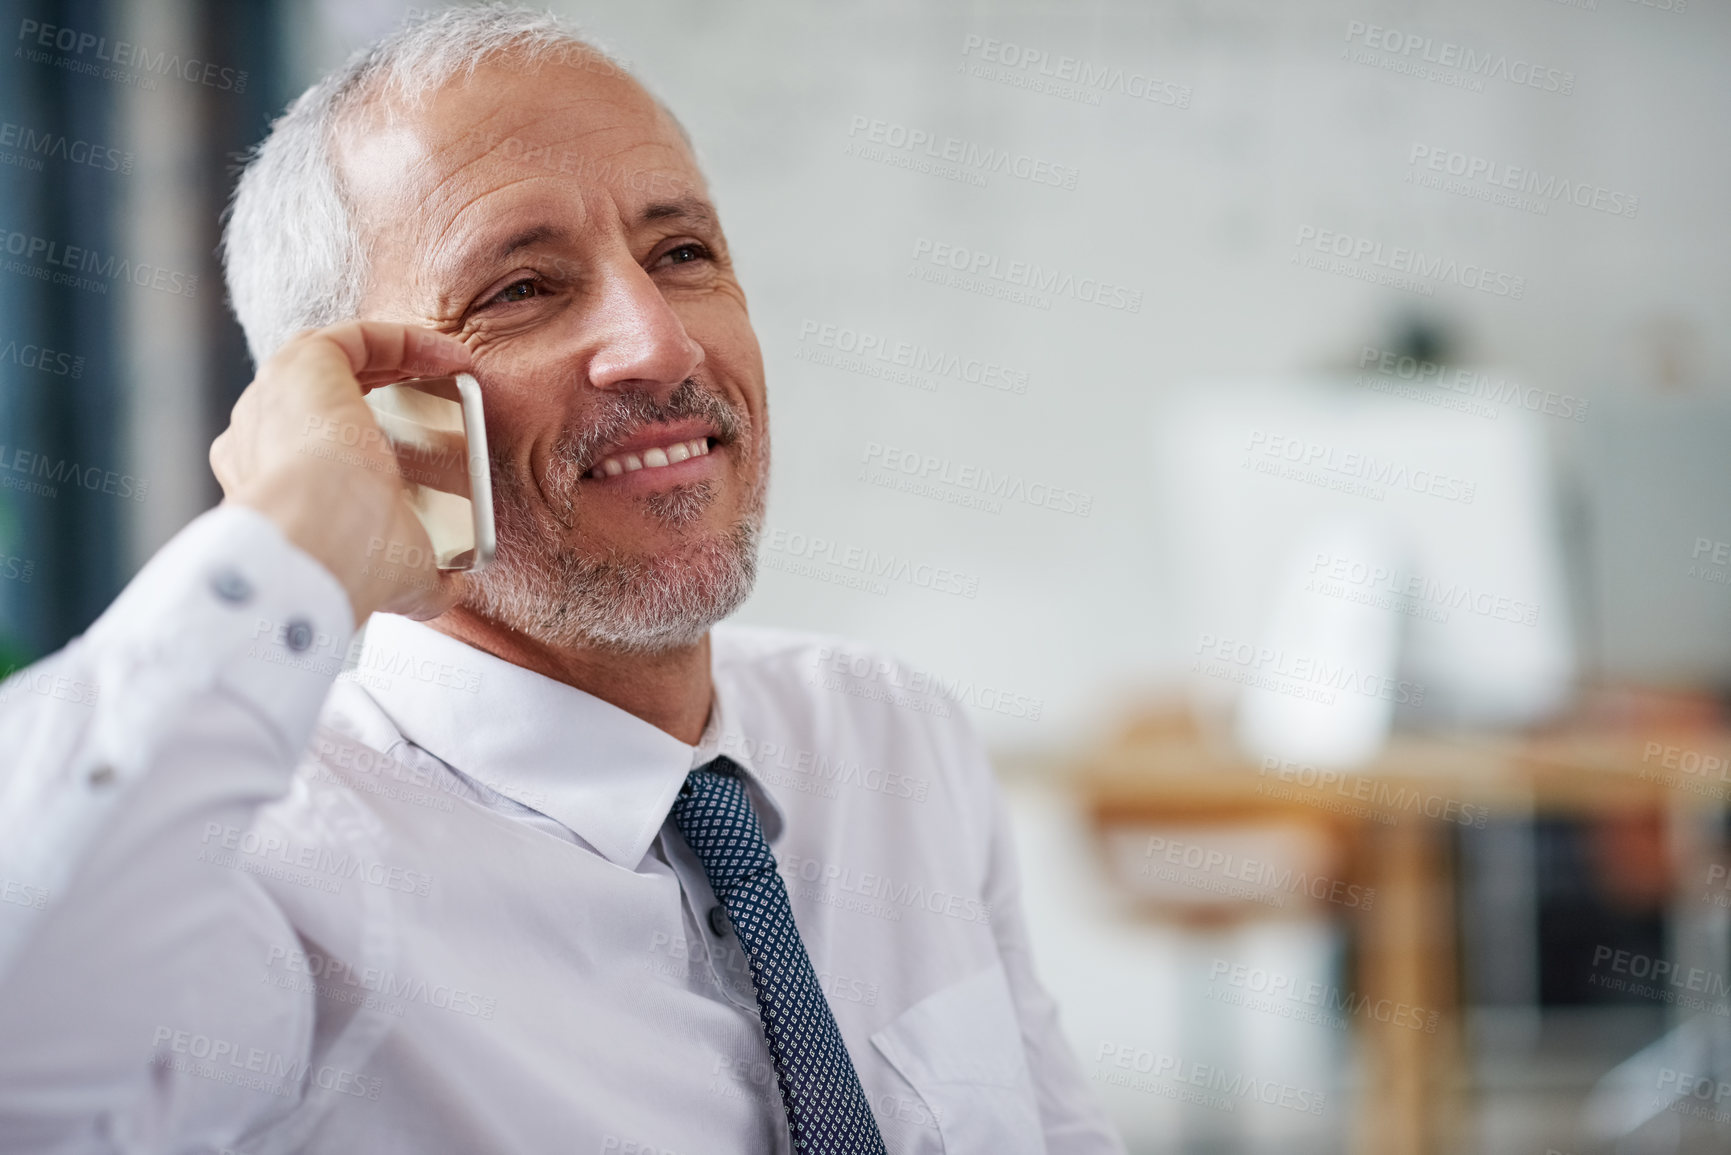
column 1391, row 822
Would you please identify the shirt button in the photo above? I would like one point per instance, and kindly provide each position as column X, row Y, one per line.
column 718, row 921
column 298, row 634
column 230, row 586
column 100, row 776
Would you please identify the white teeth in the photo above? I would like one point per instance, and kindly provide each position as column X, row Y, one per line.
column 652, row 458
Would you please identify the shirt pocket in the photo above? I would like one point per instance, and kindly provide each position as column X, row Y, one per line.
column 961, row 1048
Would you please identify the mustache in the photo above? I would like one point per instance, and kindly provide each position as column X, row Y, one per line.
column 618, row 415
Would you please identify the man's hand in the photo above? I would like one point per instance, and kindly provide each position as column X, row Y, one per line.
column 303, row 449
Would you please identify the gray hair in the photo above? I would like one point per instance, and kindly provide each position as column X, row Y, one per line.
column 293, row 254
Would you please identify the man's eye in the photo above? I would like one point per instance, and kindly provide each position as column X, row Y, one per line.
column 680, row 254
column 516, row 291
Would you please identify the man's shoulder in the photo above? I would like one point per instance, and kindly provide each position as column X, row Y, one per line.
column 820, row 716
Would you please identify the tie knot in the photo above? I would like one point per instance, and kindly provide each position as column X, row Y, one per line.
column 720, row 764
column 714, row 815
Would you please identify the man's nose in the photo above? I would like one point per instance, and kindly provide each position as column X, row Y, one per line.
column 639, row 342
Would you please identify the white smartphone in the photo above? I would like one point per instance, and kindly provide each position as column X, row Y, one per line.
column 437, row 430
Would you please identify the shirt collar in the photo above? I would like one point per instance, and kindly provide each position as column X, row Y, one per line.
column 606, row 775
column 715, row 735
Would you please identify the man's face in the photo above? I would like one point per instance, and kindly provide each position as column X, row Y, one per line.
column 555, row 221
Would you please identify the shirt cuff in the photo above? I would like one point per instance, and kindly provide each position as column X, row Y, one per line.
column 230, row 599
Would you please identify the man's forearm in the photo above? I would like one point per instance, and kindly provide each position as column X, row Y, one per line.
column 229, row 618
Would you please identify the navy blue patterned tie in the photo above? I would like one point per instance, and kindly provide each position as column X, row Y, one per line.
column 827, row 1112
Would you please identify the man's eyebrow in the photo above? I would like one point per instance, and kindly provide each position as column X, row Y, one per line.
column 692, row 209
column 530, row 236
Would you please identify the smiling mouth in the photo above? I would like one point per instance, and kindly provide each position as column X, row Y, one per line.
column 653, row 457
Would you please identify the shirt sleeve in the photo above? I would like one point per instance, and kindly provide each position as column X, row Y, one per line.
column 132, row 1012
column 1073, row 1119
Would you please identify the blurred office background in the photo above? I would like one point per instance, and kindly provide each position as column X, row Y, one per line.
column 1329, row 538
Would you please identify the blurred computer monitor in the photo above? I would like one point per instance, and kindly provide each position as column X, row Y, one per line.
column 1344, row 555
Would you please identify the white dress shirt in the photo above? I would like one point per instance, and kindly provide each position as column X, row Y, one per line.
column 434, row 904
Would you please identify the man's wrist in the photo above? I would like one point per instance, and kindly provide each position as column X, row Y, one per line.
column 332, row 518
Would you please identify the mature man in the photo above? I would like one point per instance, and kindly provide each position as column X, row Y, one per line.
column 507, row 886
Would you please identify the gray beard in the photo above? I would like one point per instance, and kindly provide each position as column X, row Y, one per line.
column 567, row 599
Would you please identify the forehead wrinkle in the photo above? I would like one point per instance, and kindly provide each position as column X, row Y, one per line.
column 698, row 206
column 433, row 265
